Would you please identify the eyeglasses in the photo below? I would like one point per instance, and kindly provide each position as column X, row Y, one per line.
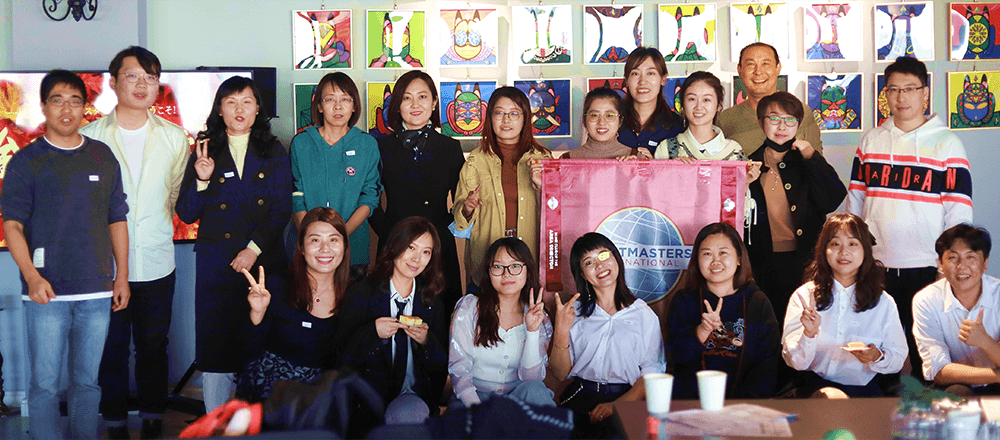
column 893, row 91
column 59, row 102
column 500, row 114
column 345, row 101
column 513, row 269
column 148, row 79
column 775, row 120
column 608, row 117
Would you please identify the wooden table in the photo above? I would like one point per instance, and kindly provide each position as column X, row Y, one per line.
column 868, row 419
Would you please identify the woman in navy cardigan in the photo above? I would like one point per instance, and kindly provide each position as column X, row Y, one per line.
column 238, row 183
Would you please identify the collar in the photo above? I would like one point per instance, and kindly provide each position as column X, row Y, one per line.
column 395, row 296
column 987, row 299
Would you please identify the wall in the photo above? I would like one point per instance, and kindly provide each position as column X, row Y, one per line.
column 190, row 33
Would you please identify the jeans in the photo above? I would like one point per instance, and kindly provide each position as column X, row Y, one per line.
column 147, row 321
column 60, row 329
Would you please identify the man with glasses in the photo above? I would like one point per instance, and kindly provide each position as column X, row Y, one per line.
column 152, row 153
column 64, row 220
column 910, row 182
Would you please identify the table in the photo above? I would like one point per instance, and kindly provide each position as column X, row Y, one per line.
column 867, row 418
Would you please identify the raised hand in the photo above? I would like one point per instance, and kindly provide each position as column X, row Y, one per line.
column 804, row 147
column 536, row 311
column 536, row 173
column 259, row 298
column 753, row 170
column 710, row 320
column 973, row 333
column 810, row 322
column 203, row 165
column 472, row 202
column 565, row 313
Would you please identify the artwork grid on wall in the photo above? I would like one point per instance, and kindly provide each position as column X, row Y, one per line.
column 463, row 107
column 545, row 34
column 394, row 39
column 616, row 84
column 611, row 32
column 972, row 100
column 471, row 37
column 671, row 92
column 378, row 94
column 322, row 39
column 759, row 22
column 302, row 94
column 832, row 31
column 904, row 29
column 551, row 106
column 836, row 100
column 740, row 92
column 688, row 32
column 973, row 31
column 881, row 104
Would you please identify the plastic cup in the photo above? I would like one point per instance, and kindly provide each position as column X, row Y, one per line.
column 659, row 388
column 712, row 389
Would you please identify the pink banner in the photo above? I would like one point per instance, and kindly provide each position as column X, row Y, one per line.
column 651, row 209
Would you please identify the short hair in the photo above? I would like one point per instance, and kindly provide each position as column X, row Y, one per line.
column 399, row 239
column 149, row 62
column 785, row 101
column 978, row 239
column 709, row 79
column 910, row 66
column 395, row 120
column 759, row 44
column 602, row 93
column 588, row 296
column 694, row 279
column 61, row 76
column 338, row 80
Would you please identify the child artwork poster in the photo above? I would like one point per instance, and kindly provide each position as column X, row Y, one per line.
column 544, row 34
column 378, row 95
column 687, row 32
column 740, row 91
column 671, row 92
column 616, row 84
column 463, row 108
column 835, row 100
column 611, row 32
column 302, row 95
column 471, row 37
column 904, row 30
column 972, row 100
column 759, row 22
column 882, row 104
column 973, row 31
column 832, row 31
column 395, row 39
column 551, row 105
column 321, row 39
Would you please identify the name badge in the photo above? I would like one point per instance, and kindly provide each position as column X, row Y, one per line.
column 229, row 174
column 653, row 143
column 307, row 324
column 94, row 178
column 38, row 259
column 350, row 152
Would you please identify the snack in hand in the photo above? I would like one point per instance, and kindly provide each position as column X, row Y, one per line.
column 855, row 346
column 410, row 320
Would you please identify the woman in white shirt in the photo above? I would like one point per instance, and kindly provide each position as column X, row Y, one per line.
column 840, row 327
column 606, row 342
column 499, row 338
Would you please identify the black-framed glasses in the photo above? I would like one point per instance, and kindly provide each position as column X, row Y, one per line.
column 514, row 115
column 514, row 269
column 60, row 102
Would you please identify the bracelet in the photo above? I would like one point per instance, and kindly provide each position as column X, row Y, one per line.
column 561, row 348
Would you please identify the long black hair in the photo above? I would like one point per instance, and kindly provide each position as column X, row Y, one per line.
column 487, row 333
column 588, row 297
column 262, row 141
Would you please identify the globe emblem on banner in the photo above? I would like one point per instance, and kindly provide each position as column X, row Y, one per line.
column 651, row 247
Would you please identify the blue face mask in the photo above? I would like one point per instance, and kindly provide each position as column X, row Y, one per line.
column 781, row 148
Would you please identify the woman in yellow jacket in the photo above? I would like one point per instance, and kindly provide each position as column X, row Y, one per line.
column 497, row 194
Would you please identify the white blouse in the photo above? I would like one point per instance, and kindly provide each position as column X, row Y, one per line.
column 840, row 324
column 617, row 348
column 493, row 369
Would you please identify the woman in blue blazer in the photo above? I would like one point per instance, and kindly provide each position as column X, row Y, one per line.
column 238, row 183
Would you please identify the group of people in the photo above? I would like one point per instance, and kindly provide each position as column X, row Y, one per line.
column 88, row 220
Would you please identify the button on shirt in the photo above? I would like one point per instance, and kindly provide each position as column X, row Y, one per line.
column 937, row 315
column 840, row 324
column 408, row 310
column 617, row 348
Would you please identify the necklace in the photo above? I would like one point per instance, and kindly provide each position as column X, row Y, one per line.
column 771, row 172
column 316, row 296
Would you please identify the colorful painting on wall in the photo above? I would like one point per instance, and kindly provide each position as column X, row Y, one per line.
column 471, row 37
column 687, row 32
column 671, row 92
column 463, row 107
column 321, row 39
column 551, row 105
column 545, row 34
column 740, row 92
column 904, row 30
column 395, row 39
column 972, row 100
column 378, row 108
column 882, row 104
column 610, row 33
column 832, row 31
column 759, row 22
column 835, row 100
column 302, row 95
column 973, row 31
column 616, row 84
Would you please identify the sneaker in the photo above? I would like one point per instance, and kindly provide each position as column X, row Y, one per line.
column 151, row 428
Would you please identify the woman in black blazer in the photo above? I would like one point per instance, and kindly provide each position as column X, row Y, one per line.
column 419, row 168
column 404, row 361
column 238, row 183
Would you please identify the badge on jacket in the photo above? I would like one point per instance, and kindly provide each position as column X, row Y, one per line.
column 350, row 171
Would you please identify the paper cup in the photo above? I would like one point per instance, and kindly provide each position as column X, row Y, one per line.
column 659, row 387
column 964, row 423
column 712, row 389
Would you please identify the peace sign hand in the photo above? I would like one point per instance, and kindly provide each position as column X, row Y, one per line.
column 565, row 313
column 810, row 322
column 536, row 311
column 203, row 165
column 259, row 298
column 472, row 202
column 710, row 320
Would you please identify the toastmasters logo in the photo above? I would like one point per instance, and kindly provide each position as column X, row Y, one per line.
column 652, row 249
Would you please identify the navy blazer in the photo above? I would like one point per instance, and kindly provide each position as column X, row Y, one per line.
column 233, row 210
column 371, row 356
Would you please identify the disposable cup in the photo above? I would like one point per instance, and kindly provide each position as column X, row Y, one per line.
column 712, row 389
column 659, row 387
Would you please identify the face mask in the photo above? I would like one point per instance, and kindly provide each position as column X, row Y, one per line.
column 781, row 148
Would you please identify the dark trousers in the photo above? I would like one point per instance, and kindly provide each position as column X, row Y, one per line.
column 778, row 274
column 582, row 399
column 147, row 321
column 902, row 284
